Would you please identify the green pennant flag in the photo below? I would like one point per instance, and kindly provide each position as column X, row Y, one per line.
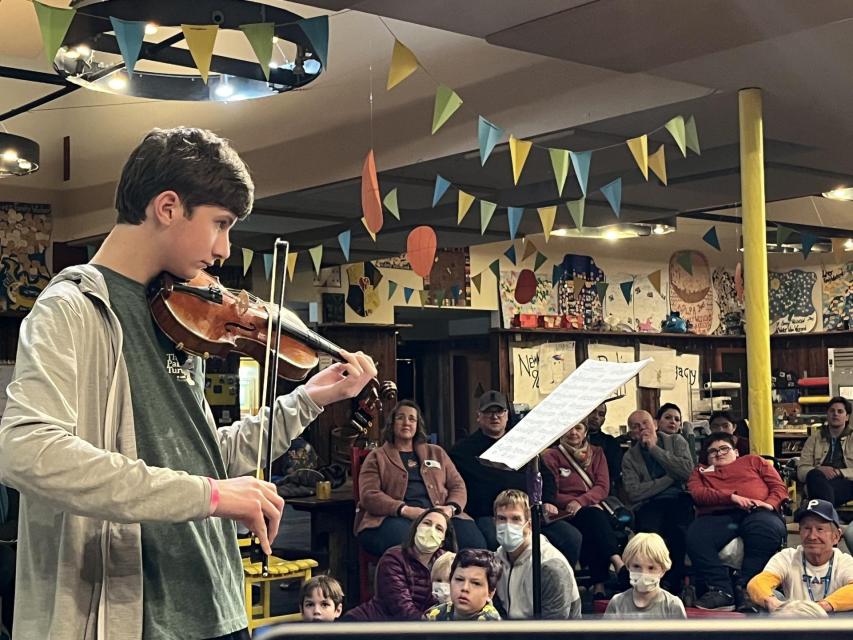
column 260, row 35
column 316, row 29
column 626, row 290
column 439, row 297
column 540, row 260
column 692, row 136
column 390, row 203
column 560, row 163
column 392, row 288
column 782, row 234
column 423, row 295
column 476, row 281
column 54, row 23
column 487, row 209
column 685, row 259
column 576, row 208
column 676, row 128
column 495, row 268
column 711, row 238
column 316, row 257
column 601, row 290
column 447, row 101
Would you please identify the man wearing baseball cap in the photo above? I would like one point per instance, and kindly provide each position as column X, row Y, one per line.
column 816, row 570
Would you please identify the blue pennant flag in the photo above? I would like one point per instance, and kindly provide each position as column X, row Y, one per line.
column 613, row 192
column 317, row 32
column 580, row 161
column 268, row 264
column 488, row 135
column 130, row 35
column 441, row 186
column 807, row 241
column 711, row 238
column 344, row 240
column 510, row 253
column 514, row 216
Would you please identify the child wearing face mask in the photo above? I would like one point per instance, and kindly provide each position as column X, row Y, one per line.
column 441, row 577
column 647, row 559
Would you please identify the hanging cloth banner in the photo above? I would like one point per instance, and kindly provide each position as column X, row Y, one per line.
column 316, row 29
column 447, row 101
column 576, row 208
column 403, row 64
column 390, row 203
column 260, row 35
column 547, row 216
column 581, row 160
column 487, row 210
column 676, row 128
column 513, row 215
column 248, row 254
column 463, row 204
column 560, row 163
column 201, row 38
column 344, row 240
column 129, row 35
column 612, row 191
column 316, row 257
column 441, row 186
column 291, row 264
column 654, row 279
column 53, row 23
column 371, row 205
column 518, row 151
column 692, row 136
column 657, row 163
column 711, row 238
column 639, row 148
column 488, row 136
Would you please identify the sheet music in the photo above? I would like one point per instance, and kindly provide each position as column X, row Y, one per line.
column 568, row 404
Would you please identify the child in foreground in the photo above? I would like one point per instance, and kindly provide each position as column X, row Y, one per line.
column 647, row 559
column 321, row 599
column 440, row 575
column 473, row 578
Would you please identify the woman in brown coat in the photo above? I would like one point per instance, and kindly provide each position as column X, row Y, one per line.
column 405, row 477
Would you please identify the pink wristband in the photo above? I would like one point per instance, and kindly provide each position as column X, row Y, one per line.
column 214, row 496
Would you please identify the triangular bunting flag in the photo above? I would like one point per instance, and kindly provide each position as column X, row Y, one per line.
column 439, row 296
column 685, row 259
column 488, row 136
column 541, row 259
column 441, row 186
column 476, row 281
column 639, row 148
column 54, row 23
column 464, row 203
column 576, row 208
column 487, row 210
column 268, row 265
column 316, row 257
column 529, row 250
column 807, row 241
column 392, row 287
column 560, row 163
column 369, row 230
column 711, row 238
column 654, row 279
column 447, row 101
column 201, row 38
column 657, row 163
column 601, row 290
column 260, row 35
column 403, row 64
column 692, row 136
column 407, row 293
column 291, row 264
column 626, row 290
column 513, row 215
column 518, row 151
column 390, row 203
column 547, row 216
column 495, row 267
column 344, row 239
column 510, row 253
column 577, row 286
column 130, row 35
column 247, row 259
column 371, row 204
column 676, row 128
column 423, row 295
column 316, row 29
column 782, row 234
column 581, row 160
column 612, row 191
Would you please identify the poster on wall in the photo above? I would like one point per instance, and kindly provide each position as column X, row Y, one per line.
column 396, row 262
column 556, row 361
column 686, row 387
column 660, row 372
column 792, row 301
column 618, row 310
column 837, row 296
column 363, row 290
column 624, row 399
column 690, row 292
column 729, row 304
column 449, row 282
column 525, row 376
column 650, row 307
column 581, row 272
column 544, row 300
column 24, row 238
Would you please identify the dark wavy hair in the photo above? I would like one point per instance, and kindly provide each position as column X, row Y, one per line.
column 479, row 558
column 666, row 407
column 449, row 543
column 388, row 430
column 840, row 400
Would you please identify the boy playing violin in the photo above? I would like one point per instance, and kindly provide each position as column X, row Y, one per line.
column 130, row 495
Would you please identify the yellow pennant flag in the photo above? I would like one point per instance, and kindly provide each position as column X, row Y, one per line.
column 247, row 259
column 201, row 38
column 518, row 151
column 364, row 222
column 657, row 163
column 291, row 263
column 654, row 279
column 676, row 128
column 403, row 64
column 465, row 201
column 547, row 215
column 316, row 257
column 640, row 150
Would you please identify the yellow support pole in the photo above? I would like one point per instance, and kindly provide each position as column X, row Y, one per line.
column 755, row 271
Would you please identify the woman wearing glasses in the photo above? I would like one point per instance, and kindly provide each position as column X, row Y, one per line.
column 405, row 477
column 735, row 496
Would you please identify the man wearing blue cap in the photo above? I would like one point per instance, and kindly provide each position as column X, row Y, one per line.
column 816, row 570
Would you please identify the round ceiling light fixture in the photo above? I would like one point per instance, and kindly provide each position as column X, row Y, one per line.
column 19, row 156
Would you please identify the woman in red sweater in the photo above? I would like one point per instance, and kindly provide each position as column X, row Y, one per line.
column 578, row 481
column 735, row 496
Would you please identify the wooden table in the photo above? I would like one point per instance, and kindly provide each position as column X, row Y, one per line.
column 331, row 531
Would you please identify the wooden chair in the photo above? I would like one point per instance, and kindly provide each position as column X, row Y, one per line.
column 365, row 559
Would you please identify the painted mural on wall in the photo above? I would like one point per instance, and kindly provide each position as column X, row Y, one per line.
column 690, row 291
column 649, row 306
column 792, row 307
column 837, row 296
column 24, row 237
column 579, row 272
column 450, row 278
column 363, row 291
column 543, row 303
column 728, row 302
column 618, row 310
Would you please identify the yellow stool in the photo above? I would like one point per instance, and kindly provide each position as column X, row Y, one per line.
column 279, row 570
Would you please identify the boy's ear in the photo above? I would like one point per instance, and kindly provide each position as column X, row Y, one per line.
column 339, row 609
column 166, row 207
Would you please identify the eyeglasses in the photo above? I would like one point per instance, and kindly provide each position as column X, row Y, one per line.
column 720, row 451
column 494, row 412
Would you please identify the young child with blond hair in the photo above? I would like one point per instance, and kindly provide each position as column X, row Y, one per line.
column 647, row 559
column 440, row 575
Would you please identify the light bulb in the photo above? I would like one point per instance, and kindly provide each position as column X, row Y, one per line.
column 10, row 155
column 224, row 90
column 150, row 29
column 117, row 83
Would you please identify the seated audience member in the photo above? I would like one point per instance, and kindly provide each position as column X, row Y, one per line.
column 722, row 422
column 669, row 421
column 799, row 609
column 321, row 599
column 473, row 578
column 484, row 482
column 403, row 575
column 405, row 477
column 647, row 559
column 735, row 497
column 560, row 597
column 612, row 451
column 816, row 570
column 826, row 461
column 654, row 471
column 440, row 576
column 578, row 481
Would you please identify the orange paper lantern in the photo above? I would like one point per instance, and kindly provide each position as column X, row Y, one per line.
column 371, row 204
column 420, row 250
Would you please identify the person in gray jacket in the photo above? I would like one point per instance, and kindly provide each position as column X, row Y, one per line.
column 130, row 494
column 560, row 597
column 654, row 471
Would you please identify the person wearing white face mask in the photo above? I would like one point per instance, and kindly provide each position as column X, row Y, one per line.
column 440, row 575
column 560, row 597
column 647, row 559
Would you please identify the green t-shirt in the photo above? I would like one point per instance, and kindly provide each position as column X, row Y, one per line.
column 192, row 572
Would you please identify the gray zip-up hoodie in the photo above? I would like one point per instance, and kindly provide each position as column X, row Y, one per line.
column 67, row 444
